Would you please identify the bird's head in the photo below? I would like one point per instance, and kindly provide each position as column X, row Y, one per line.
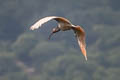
column 54, row 30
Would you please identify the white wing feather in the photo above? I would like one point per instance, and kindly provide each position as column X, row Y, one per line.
column 41, row 21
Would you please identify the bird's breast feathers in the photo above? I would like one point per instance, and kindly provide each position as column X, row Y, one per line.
column 64, row 27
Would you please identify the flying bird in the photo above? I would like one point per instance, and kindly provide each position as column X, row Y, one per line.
column 64, row 25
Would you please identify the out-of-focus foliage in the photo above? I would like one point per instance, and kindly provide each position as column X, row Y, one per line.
column 29, row 55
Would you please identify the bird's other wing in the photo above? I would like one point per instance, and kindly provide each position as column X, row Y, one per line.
column 80, row 35
column 46, row 19
column 62, row 20
column 42, row 21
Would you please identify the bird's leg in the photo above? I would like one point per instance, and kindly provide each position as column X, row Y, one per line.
column 75, row 33
column 57, row 29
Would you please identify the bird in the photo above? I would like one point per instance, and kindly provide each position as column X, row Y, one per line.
column 64, row 25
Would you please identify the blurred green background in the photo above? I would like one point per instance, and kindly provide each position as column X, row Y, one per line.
column 29, row 55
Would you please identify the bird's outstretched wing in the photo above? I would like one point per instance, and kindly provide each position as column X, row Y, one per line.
column 80, row 35
column 46, row 19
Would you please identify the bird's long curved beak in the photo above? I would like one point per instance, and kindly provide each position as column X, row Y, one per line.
column 50, row 35
column 55, row 30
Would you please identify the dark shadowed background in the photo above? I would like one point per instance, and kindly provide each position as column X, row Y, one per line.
column 29, row 55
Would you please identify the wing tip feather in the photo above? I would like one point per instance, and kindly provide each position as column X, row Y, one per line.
column 86, row 58
column 32, row 28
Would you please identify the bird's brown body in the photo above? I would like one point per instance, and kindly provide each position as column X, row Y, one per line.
column 63, row 25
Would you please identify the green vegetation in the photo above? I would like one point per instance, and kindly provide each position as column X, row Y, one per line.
column 29, row 55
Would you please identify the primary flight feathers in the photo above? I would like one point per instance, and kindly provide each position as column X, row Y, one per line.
column 63, row 25
column 46, row 19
